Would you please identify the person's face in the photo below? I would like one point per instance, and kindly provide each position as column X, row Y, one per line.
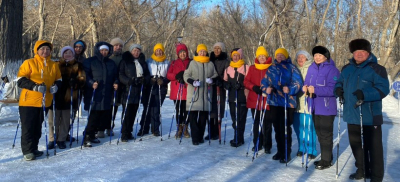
column 182, row 55
column 159, row 53
column 135, row 52
column 301, row 59
column 235, row 57
column 280, row 57
column 104, row 52
column 202, row 53
column 118, row 48
column 78, row 49
column 217, row 50
column 319, row 58
column 44, row 51
column 360, row 56
column 262, row 59
column 68, row 55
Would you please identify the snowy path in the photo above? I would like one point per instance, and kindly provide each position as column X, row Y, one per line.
column 155, row 160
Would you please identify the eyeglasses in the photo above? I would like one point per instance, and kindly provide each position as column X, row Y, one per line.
column 45, row 49
column 78, row 47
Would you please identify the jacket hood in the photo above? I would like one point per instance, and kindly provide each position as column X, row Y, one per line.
column 97, row 51
column 84, row 45
column 127, row 56
column 269, row 60
column 287, row 61
column 182, row 47
column 222, row 56
column 371, row 59
column 309, row 60
column 40, row 42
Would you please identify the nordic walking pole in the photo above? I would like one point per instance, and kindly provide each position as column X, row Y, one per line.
column 137, row 113
column 45, row 124
column 178, row 116
column 226, row 115
column 147, row 110
column 187, row 117
column 19, row 121
column 219, row 114
column 359, row 104
column 90, row 108
column 79, row 106
column 286, row 129
column 54, row 123
column 113, row 115
column 173, row 114
column 337, row 150
column 159, row 96
column 252, row 126
column 209, row 114
column 262, row 115
column 70, row 122
column 309, row 127
column 304, row 132
column 237, row 118
column 124, row 113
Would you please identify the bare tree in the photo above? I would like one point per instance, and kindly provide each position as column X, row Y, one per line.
column 11, row 17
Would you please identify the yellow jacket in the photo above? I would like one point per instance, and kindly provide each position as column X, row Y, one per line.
column 39, row 70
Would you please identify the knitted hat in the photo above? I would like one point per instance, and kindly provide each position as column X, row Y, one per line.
column 237, row 50
column 103, row 47
column 201, row 47
column 158, row 46
column 282, row 51
column 80, row 43
column 360, row 44
column 305, row 53
column 181, row 47
column 261, row 51
column 133, row 46
column 321, row 50
column 65, row 49
column 45, row 44
column 115, row 41
column 220, row 45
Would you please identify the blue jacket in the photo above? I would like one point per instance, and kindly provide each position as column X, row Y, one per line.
column 323, row 78
column 371, row 78
column 280, row 75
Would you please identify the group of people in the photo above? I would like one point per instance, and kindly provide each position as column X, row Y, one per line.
column 279, row 93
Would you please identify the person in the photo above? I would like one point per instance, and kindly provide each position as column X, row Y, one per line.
column 39, row 78
column 302, row 124
column 199, row 76
column 133, row 73
column 220, row 60
column 281, row 83
column 234, row 76
column 319, row 85
column 73, row 77
column 256, row 102
column 101, row 80
column 79, row 48
column 364, row 81
column 178, row 88
column 155, row 91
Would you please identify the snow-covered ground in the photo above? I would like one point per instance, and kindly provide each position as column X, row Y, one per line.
column 155, row 160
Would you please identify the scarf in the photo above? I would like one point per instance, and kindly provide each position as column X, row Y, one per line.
column 237, row 64
column 202, row 59
column 262, row 66
column 158, row 59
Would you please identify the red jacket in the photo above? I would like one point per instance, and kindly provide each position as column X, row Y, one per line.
column 174, row 68
column 253, row 78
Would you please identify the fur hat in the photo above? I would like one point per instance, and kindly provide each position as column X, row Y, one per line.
column 221, row 45
column 237, row 50
column 115, row 41
column 360, row 44
column 321, row 50
column 261, row 51
column 201, row 47
column 133, row 46
column 282, row 51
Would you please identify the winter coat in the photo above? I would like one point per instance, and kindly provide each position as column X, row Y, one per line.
column 199, row 71
column 176, row 67
column 236, row 75
column 323, row 77
column 156, row 70
column 127, row 71
column 280, row 75
column 253, row 78
column 37, row 70
column 221, row 63
column 103, row 71
column 80, row 57
column 301, row 96
column 70, row 70
column 121, row 87
column 371, row 78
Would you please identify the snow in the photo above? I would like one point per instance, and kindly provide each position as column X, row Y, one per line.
column 155, row 160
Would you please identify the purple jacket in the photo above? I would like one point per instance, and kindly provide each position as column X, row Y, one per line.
column 323, row 78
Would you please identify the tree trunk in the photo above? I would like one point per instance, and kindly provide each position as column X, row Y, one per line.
column 336, row 41
column 384, row 51
column 11, row 17
column 93, row 21
column 41, row 19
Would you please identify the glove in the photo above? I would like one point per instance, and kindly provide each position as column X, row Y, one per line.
column 153, row 81
column 339, row 92
column 160, row 81
column 40, row 88
column 139, row 80
column 179, row 76
column 227, row 86
column 53, row 89
column 72, row 82
column 196, row 83
column 181, row 81
column 209, row 81
column 257, row 89
column 132, row 81
column 238, row 86
column 218, row 82
column 359, row 94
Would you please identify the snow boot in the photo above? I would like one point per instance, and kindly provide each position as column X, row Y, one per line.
column 109, row 131
column 100, row 134
column 29, row 157
column 186, row 132
column 50, row 145
column 61, row 145
column 359, row 174
column 38, row 153
column 179, row 132
column 87, row 142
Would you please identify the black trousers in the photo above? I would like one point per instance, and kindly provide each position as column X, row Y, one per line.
column 373, row 149
column 111, row 123
column 265, row 139
column 238, row 119
column 324, row 129
column 181, row 113
column 276, row 116
column 31, row 128
column 198, row 121
column 97, row 118
column 127, row 125
column 153, row 115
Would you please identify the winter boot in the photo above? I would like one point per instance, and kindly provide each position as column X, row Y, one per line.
column 29, row 157
column 186, row 132
column 87, row 142
column 179, row 132
column 61, row 145
column 38, row 153
column 109, row 131
column 100, row 134
column 50, row 145
column 359, row 174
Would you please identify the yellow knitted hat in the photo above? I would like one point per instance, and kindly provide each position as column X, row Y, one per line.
column 201, row 47
column 158, row 46
column 261, row 51
column 282, row 51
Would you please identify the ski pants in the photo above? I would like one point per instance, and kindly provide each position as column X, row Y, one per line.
column 264, row 139
column 127, row 125
column 153, row 114
column 238, row 119
column 31, row 128
column 96, row 119
column 276, row 115
column 306, row 133
column 198, row 121
column 61, row 122
column 324, row 129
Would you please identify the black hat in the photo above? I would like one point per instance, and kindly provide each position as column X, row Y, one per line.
column 360, row 44
column 321, row 50
column 44, row 44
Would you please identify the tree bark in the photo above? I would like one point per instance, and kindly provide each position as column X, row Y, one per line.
column 384, row 49
column 95, row 34
column 41, row 19
column 336, row 40
column 11, row 18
